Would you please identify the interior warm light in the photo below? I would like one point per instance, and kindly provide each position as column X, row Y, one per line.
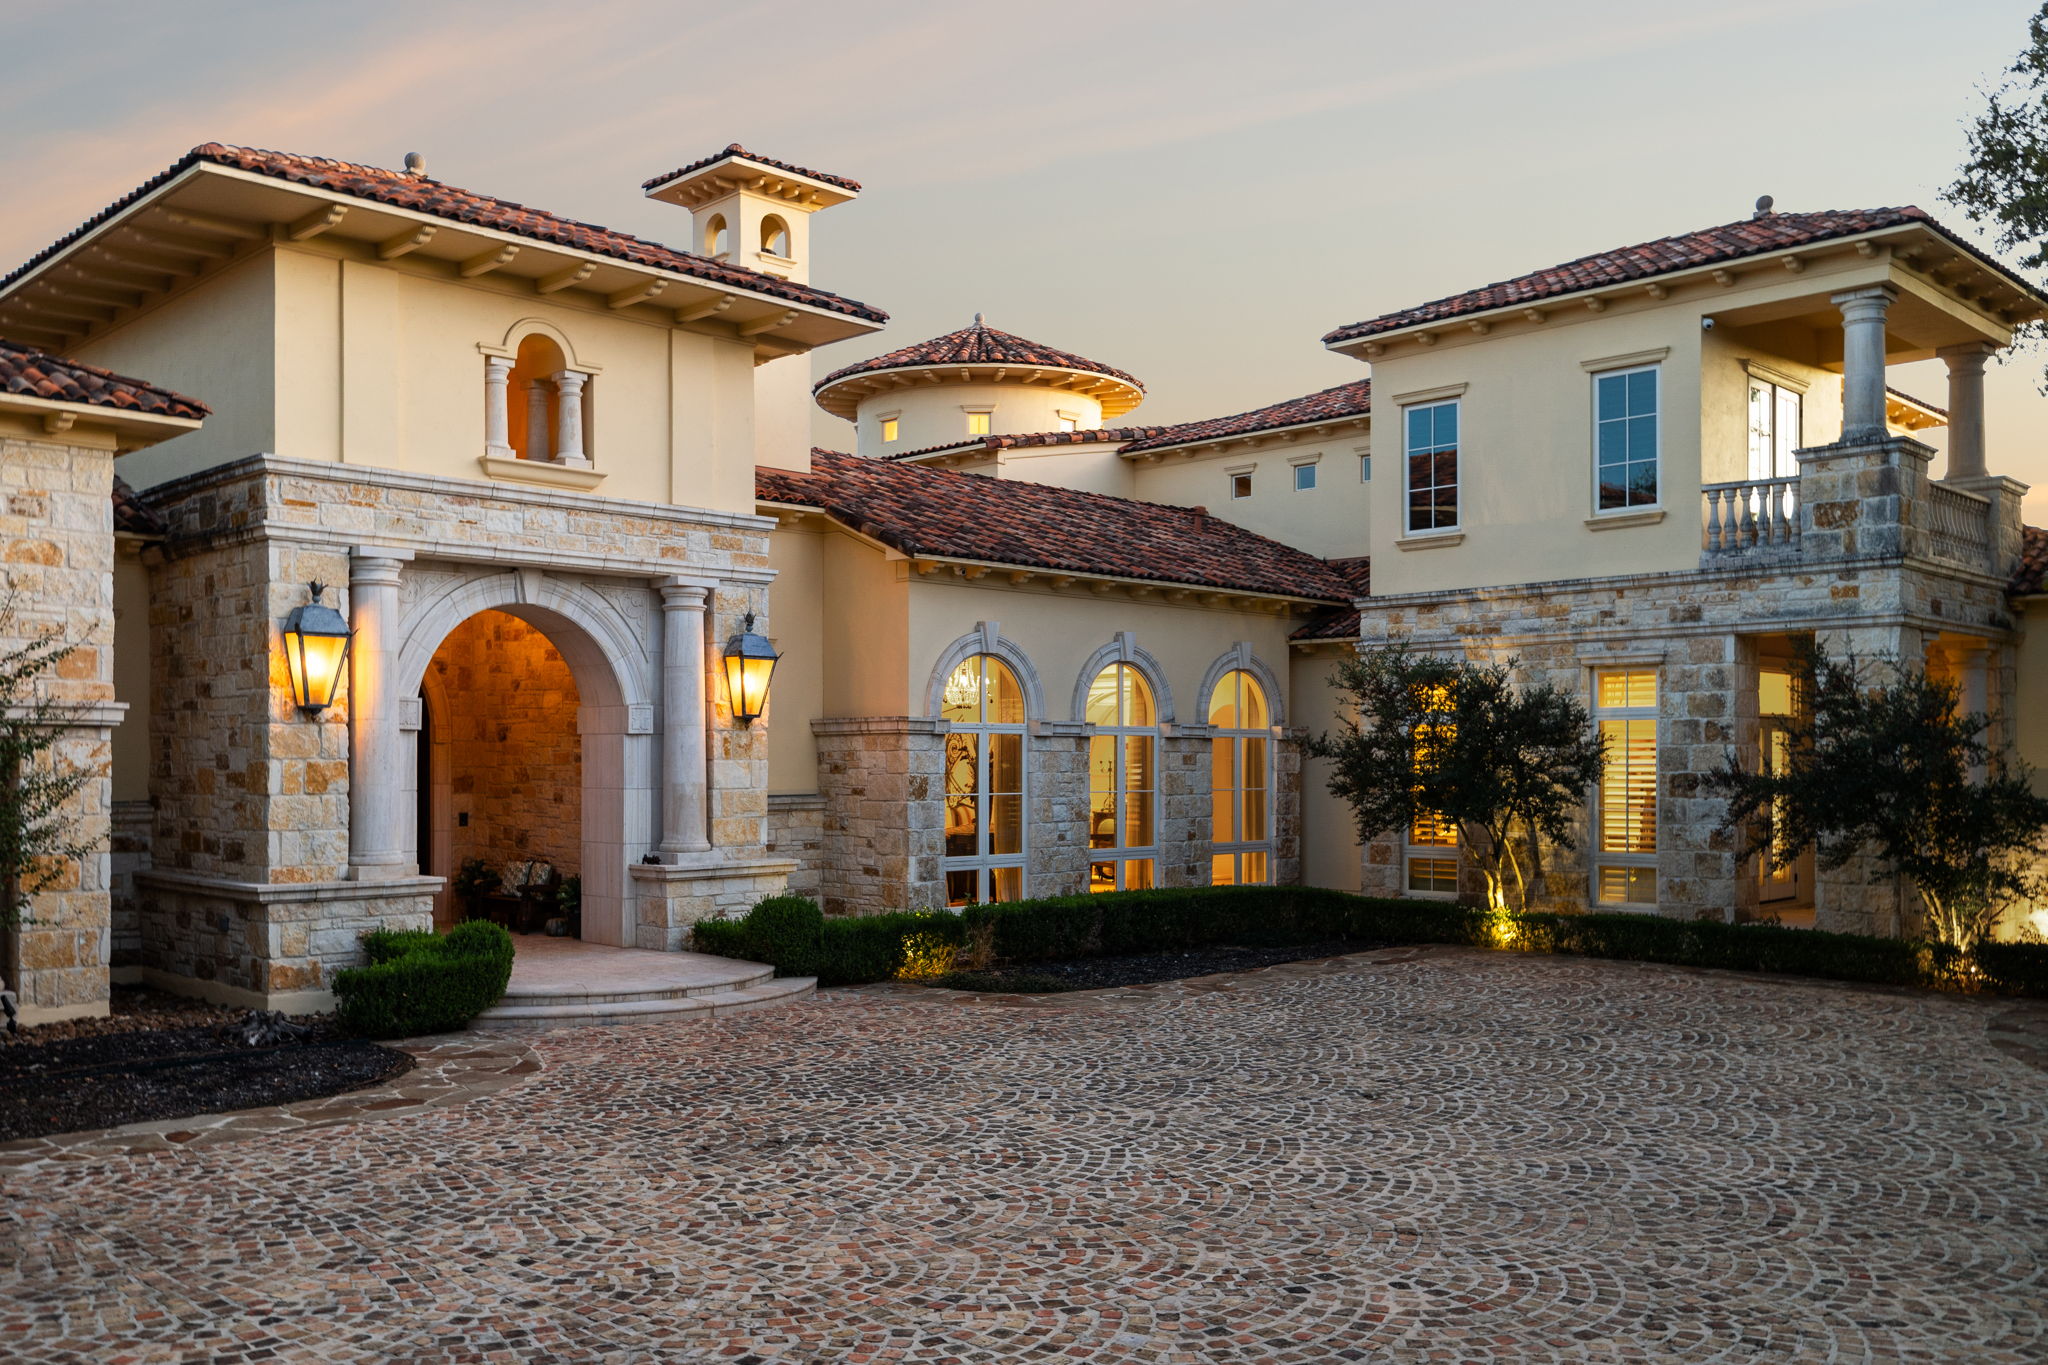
column 316, row 643
column 749, row 664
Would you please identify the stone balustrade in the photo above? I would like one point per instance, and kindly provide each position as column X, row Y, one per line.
column 1749, row 514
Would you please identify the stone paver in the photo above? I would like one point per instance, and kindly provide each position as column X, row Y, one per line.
column 1421, row 1155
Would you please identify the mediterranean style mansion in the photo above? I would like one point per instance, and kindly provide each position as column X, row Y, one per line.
column 479, row 529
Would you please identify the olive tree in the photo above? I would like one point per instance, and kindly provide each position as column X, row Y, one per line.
column 1426, row 736
column 2002, row 184
column 1881, row 758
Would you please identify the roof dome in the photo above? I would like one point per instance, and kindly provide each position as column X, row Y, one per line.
column 983, row 353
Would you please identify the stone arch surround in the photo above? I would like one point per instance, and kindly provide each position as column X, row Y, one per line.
column 614, row 673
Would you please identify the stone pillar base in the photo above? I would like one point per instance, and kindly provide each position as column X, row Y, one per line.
column 264, row 945
column 668, row 900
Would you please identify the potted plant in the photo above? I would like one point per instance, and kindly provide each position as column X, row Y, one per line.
column 475, row 880
column 569, row 904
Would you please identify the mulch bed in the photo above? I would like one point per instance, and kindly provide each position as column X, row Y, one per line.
column 1096, row 973
column 162, row 1060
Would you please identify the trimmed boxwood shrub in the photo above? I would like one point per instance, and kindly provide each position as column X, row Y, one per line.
column 1062, row 928
column 422, row 982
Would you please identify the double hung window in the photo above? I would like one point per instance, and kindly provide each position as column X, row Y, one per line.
column 1432, row 449
column 1625, row 438
column 1625, row 843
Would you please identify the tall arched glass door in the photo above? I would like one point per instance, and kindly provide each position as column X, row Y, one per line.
column 1123, row 781
column 984, row 858
column 1240, row 782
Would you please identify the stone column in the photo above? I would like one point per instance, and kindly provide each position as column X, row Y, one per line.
column 497, row 408
column 1966, row 407
column 1863, row 314
column 569, row 419
column 376, row 752
column 537, row 420
column 684, row 772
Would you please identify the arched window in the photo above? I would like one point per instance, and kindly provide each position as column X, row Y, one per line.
column 774, row 236
column 984, row 859
column 716, row 236
column 1240, row 782
column 1123, row 780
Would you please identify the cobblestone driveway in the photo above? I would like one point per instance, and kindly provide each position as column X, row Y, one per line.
column 1445, row 1156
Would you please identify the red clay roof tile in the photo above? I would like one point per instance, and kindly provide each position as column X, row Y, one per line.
column 1346, row 400
column 419, row 194
column 1105, row 436
column 940, row 513
column 131, row 515
column 1340, row 623
column 734, row 149
column 1687, row 251
column 2033, row 570
column 979, row 344
column 38, row 374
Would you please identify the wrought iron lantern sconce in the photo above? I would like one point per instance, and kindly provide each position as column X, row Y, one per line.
column 749, row 663
column 316, row 645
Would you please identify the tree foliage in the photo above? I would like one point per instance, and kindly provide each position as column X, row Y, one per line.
column 1423, row 736
column 37, row 828
column 2003, row 183
column 1895, row 768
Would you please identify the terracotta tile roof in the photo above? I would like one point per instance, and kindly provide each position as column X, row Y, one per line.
column 1687, row 251
column 1346, row 400
column 130, row 515
column 38, row 374
column 419, row 194
column 940, row 513
column 734, row 149
column 2033, row 570
column 1105, row 436
column 979, row 344
column 1340, row 623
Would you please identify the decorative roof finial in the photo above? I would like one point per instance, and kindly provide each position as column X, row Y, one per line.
column 415, row 164
column 1763, row 206
column 977, row 319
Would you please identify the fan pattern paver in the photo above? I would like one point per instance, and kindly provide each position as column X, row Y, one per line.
column 1428, row 1156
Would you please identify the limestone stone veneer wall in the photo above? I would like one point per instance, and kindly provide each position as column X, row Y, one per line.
column 257, row 882
column 882, row 783
column 57, row 564
column 1865, row 581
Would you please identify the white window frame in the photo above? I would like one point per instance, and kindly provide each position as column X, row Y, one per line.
column 1656, row 371
column 1240, row 472
column 1457, row 486
column 1599, row 858
column 1309, row 466
column 982, row 862
column 984, row 412
column 1237, row 735
column 1119, row 854
column 1365, row 466
column 1783, row 391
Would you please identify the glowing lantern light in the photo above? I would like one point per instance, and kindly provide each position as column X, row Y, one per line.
column 316, row 643
column 749, row 664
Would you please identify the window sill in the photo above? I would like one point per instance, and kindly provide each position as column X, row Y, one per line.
column 1618, row 521
column 541, row 472
column 1431, row 540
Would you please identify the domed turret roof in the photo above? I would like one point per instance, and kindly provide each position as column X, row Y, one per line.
column 985, row 353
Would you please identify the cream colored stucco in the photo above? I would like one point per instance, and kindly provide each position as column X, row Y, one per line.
column 1330, row 850
column 1330, row 519
column 1527, row 508
column 932, row 414
column 2030, row 710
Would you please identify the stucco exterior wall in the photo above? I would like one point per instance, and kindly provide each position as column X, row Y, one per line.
column 1526, row 428
column 1332, row 519
column 1330, row 849
column 932, row 414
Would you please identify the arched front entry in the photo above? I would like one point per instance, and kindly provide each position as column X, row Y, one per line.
column 613, row 723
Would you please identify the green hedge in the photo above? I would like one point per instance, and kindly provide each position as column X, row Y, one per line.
column 791, row 933
column 420, row 982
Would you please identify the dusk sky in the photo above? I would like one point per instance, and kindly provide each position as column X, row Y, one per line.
column 1193, row 192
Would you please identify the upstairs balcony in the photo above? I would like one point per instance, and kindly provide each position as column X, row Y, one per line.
column 1870, row 494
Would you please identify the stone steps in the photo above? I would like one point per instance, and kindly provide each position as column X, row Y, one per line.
column 730, row 975
column 539, row 1012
